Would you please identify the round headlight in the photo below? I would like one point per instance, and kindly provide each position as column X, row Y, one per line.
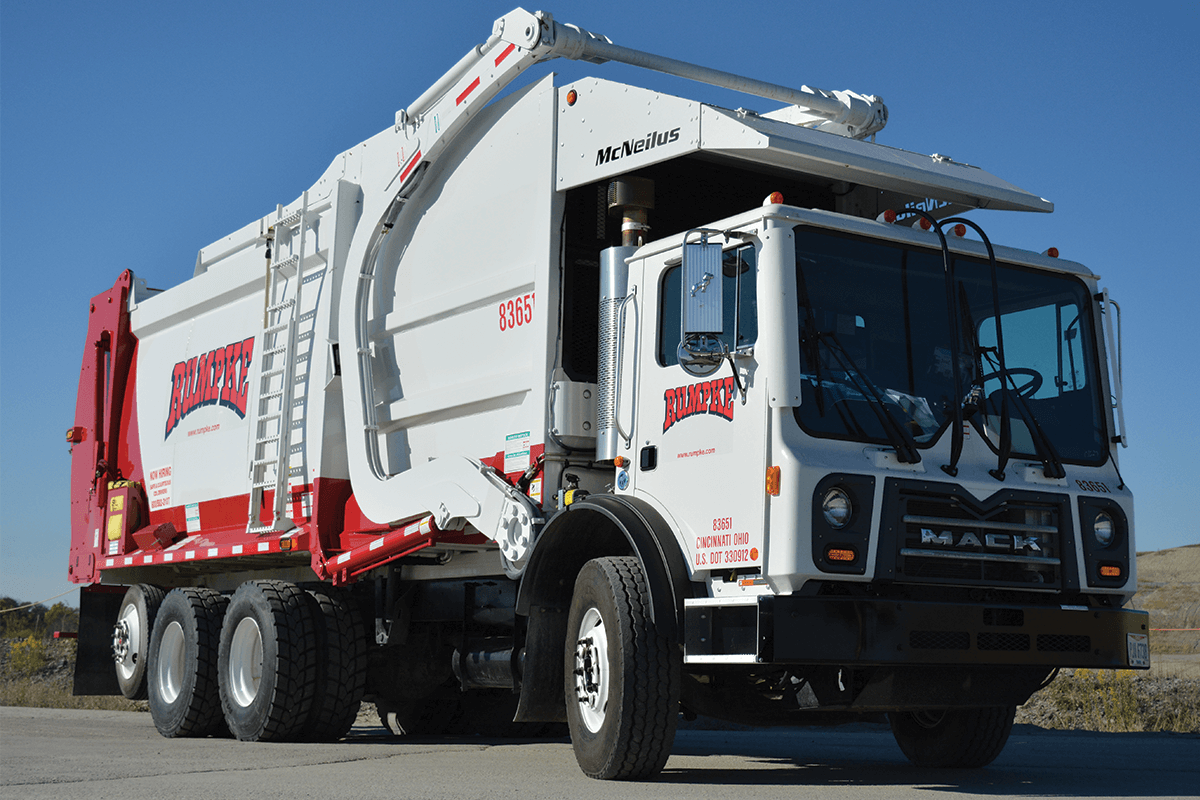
column 1103, row 529
column 837, row 508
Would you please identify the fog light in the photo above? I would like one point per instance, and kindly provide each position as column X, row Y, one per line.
column 1103, row 529
column 837, row 508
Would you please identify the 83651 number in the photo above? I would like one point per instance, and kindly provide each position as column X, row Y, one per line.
column 516, row 312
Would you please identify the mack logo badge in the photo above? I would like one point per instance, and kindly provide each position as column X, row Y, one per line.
column 219, row 376
column 632, row 146
column 994, row 541
column 708, row 397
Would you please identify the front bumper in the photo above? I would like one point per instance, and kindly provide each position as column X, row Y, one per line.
column 857, row 631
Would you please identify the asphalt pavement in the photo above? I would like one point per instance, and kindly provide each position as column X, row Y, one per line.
column 63, row 754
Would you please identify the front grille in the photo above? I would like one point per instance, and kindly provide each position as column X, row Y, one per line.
column 942, row 534
column 1063, row 643
column 939, row 640
column 1003, row 641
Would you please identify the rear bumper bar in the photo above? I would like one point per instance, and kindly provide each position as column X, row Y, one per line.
column 851, row 631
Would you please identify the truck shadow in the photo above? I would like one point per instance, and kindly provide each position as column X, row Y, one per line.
column 1037, row 763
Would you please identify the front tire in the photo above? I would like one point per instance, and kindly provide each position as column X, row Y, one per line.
column 621, row 675
column 182, row 668
column 961, row 737
column 267, row 661
column 131, row 637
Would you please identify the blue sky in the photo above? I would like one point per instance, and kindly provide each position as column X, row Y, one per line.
column 132, row 134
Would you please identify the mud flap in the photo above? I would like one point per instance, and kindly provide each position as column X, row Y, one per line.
column 95, row 673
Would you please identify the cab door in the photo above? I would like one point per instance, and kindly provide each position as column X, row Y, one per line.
column 699, row 451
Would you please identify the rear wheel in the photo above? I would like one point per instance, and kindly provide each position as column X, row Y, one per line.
column 267, row 661
column 182, row 667
column 961, row 737
column 621, row 675
column 131, row 637
column 341, row 666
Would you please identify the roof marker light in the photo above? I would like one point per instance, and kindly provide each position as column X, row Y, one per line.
column 924, row 224
column 888, row 216
column 1052, row 252
column 773, row 199
column 959, row 230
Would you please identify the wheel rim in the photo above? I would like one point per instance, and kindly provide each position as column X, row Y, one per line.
column 592, row 676
column 245, row 662
column 126, row 636
column 169, row 674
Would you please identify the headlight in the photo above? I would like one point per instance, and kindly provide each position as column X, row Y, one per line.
column 1103, row 529
column 837, row 508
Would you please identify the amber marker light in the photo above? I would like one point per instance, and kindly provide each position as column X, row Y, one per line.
column 774, row 198
column 621, row 461
column 845, row 554
column 773, row 481
column 285, row 543
column 572, row 96
column 1109, row 571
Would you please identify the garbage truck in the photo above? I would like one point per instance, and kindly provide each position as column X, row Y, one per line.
column 585, row 403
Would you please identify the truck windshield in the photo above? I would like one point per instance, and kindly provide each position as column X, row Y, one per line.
column 875, row 312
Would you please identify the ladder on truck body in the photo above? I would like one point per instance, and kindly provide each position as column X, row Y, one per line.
column 278, row 421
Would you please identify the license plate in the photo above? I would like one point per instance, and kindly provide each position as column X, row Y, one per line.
column 1138, row 646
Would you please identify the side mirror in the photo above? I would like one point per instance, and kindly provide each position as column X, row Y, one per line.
column 700, row 347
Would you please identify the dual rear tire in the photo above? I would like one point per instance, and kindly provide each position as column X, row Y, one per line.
column 272, row 663
column 182, row 664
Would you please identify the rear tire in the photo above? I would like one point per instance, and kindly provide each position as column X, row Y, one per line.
column 267, row 661
column 341, row 666
column 621, row 675
column 131, row 637
column 959, row 737
column 182, row 667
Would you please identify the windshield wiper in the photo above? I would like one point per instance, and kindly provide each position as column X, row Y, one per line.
column 956, row 434
column 898, row 436
column 1052, row 465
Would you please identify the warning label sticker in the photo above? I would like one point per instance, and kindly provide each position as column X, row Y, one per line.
column 193, row 517
column 516, row 452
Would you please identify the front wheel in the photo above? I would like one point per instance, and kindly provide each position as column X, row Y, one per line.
column 962, row 737
column 622, row 675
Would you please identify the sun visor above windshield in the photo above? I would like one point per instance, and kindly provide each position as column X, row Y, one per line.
column 827, row 155
column 612, row 129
